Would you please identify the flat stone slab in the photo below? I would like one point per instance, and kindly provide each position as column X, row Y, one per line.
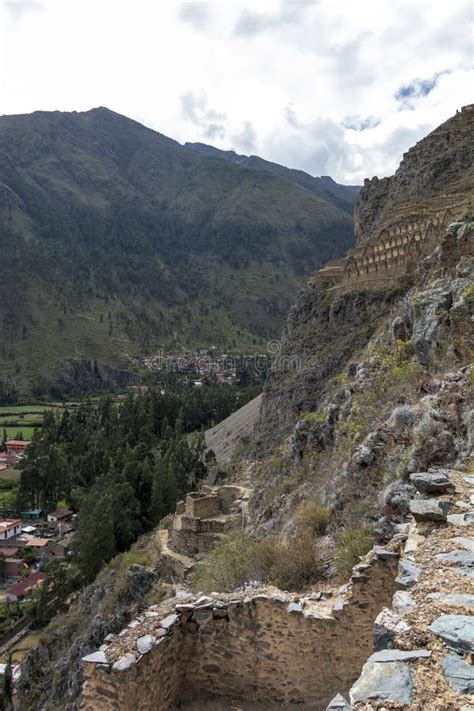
column 295, row 607
column 169, row 621
column 456, row 631
column 458, row 674
column 429, row 510
column 453, row 599
column 469, row 480
column 464, row 558
column 431, row 482
column 391, row 681
column 95, row 658
column 399, row 655
column 461, row 519
column 408, row 573
column 466, row 543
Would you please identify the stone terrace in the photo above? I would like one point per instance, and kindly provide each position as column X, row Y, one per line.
column 264, row 647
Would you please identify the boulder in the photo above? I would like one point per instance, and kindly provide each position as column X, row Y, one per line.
column 458, row 674
column 456, row 631
column 429, row 510
column 431, row 482
column 390, row 681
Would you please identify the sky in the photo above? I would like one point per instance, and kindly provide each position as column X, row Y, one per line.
column 331, row 87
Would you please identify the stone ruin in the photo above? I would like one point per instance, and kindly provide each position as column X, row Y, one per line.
column 399, row 634
column 378, row 261
column 198, row 524
column 260, row 648
column 400, row 219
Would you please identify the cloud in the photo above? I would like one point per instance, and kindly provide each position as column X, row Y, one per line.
column 361, row 123
column 212, row 124
column 251, row 24
column 19, row 7
column 417, row 89
column 245, row 140
column 195, row 14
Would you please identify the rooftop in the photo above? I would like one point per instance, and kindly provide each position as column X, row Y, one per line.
column 24, row 585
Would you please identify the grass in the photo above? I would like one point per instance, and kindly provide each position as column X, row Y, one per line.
column 12, row 432
column 10, row 474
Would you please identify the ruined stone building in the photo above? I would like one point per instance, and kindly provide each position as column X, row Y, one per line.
column 400, row 219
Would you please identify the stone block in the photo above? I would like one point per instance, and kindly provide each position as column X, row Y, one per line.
column 429, row 510
column 458, row 674
column 456, row 631
column 408, row 574
column 390, row 681
column 431, row 482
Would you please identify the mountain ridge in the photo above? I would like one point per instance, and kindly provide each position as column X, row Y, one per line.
column 118, row 241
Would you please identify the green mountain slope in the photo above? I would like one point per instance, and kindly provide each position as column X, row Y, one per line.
column 341, row 196
column 116, row 241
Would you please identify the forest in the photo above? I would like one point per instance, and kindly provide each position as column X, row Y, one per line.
column 122, row 465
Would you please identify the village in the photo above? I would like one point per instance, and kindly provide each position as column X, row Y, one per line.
column 204, row 363
column 28, row 539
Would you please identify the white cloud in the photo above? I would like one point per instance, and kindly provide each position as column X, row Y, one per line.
column 195, row 13
column 331, row 87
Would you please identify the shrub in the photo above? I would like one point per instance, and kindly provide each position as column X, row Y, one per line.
column 297, row 563
column 239, row 559
column 352, row 543
column 312, row 516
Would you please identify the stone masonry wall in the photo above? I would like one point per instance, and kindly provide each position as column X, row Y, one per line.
column 271, row 646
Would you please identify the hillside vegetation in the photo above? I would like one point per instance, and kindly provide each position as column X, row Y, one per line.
column 116, row 241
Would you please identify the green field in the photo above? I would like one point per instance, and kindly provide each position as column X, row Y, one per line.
column 12, row 432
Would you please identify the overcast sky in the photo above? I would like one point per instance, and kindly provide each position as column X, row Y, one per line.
column 329, row 86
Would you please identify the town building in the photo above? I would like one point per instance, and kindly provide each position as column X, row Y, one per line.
column 10, row 528
column 17, row 446
column 16, row 592
column 60, row 516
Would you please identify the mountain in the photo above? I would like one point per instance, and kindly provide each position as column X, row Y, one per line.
column 342, row 196
column 117, row 240
column 356, row 473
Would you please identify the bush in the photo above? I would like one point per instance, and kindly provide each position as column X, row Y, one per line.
column 313, row 517
column 240, row 559
column 352, row 543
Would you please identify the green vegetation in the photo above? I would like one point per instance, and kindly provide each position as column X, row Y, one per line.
column 157, row 247
column 240, row 558
column 123, row 465
column 352, row 543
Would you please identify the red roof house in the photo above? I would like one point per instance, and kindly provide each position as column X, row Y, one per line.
column 24, row 586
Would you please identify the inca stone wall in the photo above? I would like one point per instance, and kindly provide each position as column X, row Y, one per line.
column 268, row 647
column 400, row 219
